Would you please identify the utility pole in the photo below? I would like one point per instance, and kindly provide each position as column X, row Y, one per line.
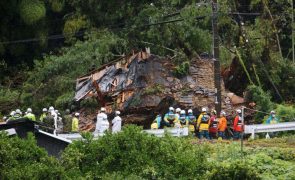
column 217, row 76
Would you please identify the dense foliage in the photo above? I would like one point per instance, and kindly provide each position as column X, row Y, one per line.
column 132, row 154
column 61, row 40
column 23, row 159
column 53, row 80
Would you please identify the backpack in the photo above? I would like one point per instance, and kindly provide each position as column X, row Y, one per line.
column 171, row 116
column 182, row 119
column 205, row 119
column 191, row 118
column 214, row 123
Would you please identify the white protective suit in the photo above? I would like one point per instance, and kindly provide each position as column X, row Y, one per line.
column 55, row 121
column 116, row 124
column 102, row 123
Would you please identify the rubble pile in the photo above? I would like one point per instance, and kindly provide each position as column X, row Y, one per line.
column 142, row 85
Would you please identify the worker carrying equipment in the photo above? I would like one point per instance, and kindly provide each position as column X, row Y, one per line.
column 203, row 124
column 75, row 123
column 102, row 123
column 157, row 122
column 213, row 125
column 238, row 125
column 222, row 125
column 170, row 118
column 182, row 119
column 191, row 120
column 30, row 115
column 117, row 123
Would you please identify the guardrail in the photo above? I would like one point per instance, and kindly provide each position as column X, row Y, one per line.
column 177, row 132
column 261, row 128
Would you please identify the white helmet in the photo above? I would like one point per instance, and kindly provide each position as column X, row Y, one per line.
column 204, row 109
column 117, row 113
column 77, row 114
column 239, row 111
column 12, row 113
column 182, row 112
column 190, row 111
column 178, row 110
column 29, row 110
column 103, row 109
column 171, row 109
column 223, row 113
column 213, row 111
column 18, row 111
column 44, row 110
column 272, row 112
column 51, row 108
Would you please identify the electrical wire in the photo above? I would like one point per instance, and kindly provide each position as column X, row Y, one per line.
column 62, row 36
column 51, row 37
column 288, row 117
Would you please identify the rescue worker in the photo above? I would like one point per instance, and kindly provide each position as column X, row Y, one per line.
column 182, row 119
column 30, row 115
column 4, row 118
column 222, row 125
column 238, row 125
column 191, row 119
column 54, row 115
column 18, row 114
column 203, row 124
column 11, row 116
column 102, row 123
column 213, row 124
column 117, row 123
column 67, row 121
column 272, row 119
column 75, row 123
column 177, row 114
column 157, row 122
column 49, row 122
column 170, row 119
column 43, row 115
column 204, row 111
column 59, row 122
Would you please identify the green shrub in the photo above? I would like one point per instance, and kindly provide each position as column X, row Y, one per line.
column 155, row 89
column 286, row 113
column 133, row 152
column 234, row 170
column 262, row 100
column 182, row 69
column 23, row 159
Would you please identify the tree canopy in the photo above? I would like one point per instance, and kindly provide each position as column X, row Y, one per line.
column 45, row 45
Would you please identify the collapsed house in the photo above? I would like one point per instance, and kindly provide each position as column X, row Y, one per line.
column 142, row 85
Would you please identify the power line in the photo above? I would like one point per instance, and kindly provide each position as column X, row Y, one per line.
column 51, row 37
column 62, row 36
